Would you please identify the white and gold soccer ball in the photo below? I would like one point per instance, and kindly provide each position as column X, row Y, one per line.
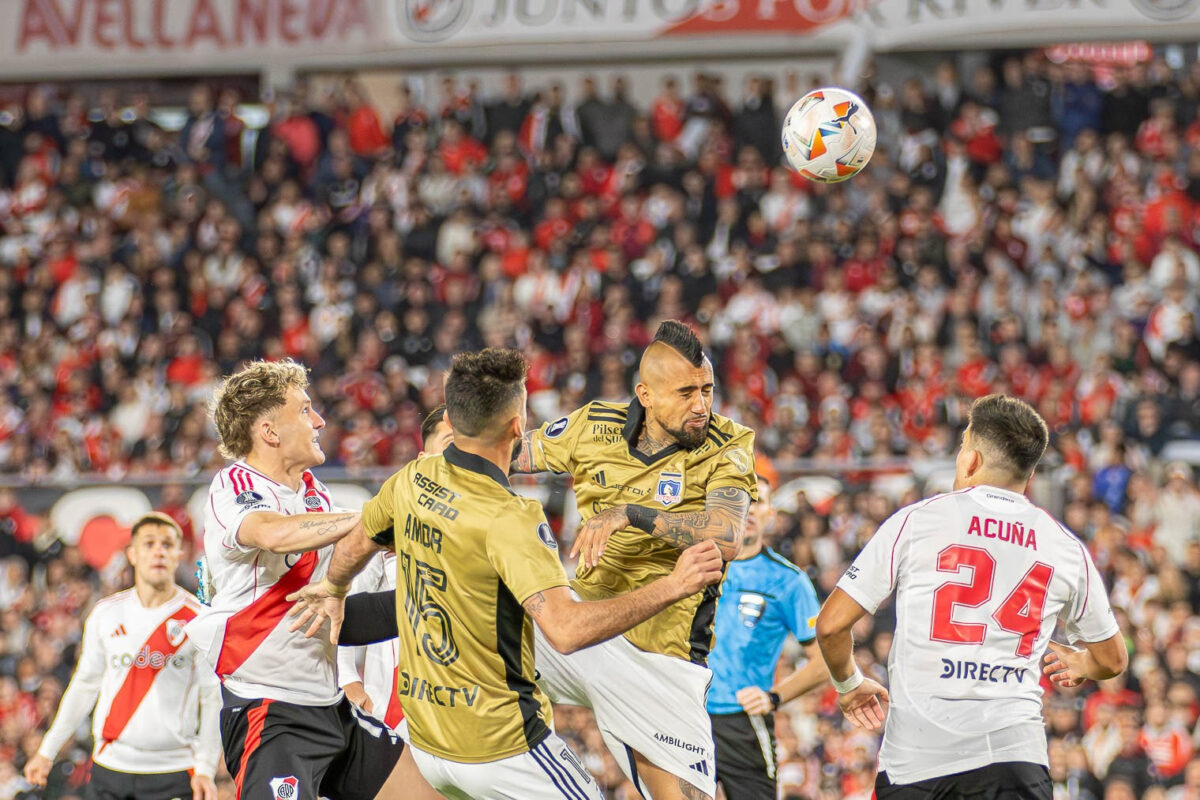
column 829, row 135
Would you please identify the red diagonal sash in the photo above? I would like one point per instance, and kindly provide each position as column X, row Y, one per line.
column 394, row 712
column 141, row 677
column 247, row 629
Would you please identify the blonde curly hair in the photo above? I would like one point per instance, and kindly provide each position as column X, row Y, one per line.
column 244, row 397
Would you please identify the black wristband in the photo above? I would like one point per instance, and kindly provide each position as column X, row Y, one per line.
column 774, row 700
column 641, row 517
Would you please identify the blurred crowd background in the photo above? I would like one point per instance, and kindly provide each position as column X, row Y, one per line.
column 1028, row 227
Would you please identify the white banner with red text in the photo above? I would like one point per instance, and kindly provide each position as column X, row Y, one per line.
column 114, row 37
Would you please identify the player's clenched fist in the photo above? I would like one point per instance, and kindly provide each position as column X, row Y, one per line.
column 37, row 770
column 698, row 566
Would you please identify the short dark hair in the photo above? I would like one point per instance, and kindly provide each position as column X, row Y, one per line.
column 681, row 339
column 481, row 386
column 431, row 421
column 155, row 518
column 1012, row 429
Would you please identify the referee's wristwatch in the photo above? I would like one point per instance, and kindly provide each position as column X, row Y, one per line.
column 774, row 700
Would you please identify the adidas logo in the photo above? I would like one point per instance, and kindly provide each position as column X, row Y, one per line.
column 701, row 767
column 118, row 631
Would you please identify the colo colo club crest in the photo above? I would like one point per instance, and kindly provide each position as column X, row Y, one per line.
column 670, row 488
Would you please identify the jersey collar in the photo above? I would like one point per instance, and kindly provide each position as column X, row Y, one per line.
column 987, row 488
column 474, row 463
column 634, row 419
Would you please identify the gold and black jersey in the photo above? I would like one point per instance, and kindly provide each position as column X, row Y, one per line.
column 596, row 445
column 469, row 552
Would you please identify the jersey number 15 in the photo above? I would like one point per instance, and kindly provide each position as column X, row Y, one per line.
column 1020, row 613
column 421, row 582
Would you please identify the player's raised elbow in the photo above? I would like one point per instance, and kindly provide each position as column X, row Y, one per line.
column 562, row 637
column 555, row 613
column 567, row 644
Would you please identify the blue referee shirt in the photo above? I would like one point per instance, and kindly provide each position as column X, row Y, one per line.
column 763, row 599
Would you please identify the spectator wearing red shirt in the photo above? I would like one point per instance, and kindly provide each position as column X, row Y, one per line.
column 1113, row 693
column 1166, row 741
column 668, row 111
column 555, row 226
column 367, row 137
column 15, row 521
column 460, row 153
column 187, row 366
column 234, row 126
column 863, row 270
column 299, row 133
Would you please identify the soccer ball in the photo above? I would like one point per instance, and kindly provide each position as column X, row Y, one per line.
column 829, row 135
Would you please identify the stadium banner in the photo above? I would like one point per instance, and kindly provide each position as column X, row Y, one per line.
column 161, row 36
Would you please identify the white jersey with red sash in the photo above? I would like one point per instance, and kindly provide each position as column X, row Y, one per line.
column 244, row 633
column 375, row 664
column 156, row 706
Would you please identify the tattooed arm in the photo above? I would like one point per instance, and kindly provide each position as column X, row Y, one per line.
column 571, row 624
column 723, row 521
column 294, row 533
column 524, row 460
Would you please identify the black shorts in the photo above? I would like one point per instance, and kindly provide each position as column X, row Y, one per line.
column 290, row 752
column 108, row 784
column 745, row 755
column 1010, row 780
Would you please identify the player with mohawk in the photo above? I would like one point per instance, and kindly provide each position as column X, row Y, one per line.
column 652, row 477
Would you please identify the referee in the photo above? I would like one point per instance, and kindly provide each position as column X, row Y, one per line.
column 763, row 598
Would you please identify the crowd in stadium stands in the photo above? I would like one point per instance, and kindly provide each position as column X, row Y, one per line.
column 1029, row 228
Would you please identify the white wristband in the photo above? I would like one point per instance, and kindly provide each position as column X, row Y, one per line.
column 850, row 684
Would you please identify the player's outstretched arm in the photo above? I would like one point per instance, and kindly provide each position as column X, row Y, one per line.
column 723, row 521
column 1098, row 661
column 571, row 625
column 863, row 701
column 326, row 599
column 294, row 533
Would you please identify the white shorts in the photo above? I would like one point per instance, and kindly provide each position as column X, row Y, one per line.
column 401, row 729
column 550, row 771
column 647, row 703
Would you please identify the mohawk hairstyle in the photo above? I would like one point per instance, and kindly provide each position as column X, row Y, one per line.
column 682, row 340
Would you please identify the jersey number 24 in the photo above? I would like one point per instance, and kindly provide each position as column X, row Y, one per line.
column 1020, row 613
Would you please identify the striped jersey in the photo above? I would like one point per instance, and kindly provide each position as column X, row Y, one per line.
column 982, row 577
column 375, row 664
column 244, row 632
column 156, row 705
